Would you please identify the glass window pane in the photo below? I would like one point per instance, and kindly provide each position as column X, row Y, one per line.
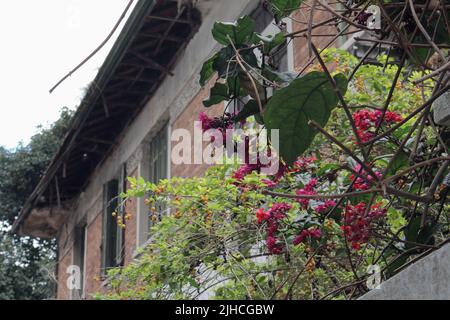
column 110, row 225
column 158, row 162
column 158, row 156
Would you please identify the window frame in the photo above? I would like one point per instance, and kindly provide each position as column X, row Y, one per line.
column 113, row 236
column 158, row 159
column 143, row 222
column 79, row 257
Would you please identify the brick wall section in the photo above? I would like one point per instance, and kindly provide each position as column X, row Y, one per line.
column 190, row 114
column 301, row 48
column 64, row 262
column 131, row 225
column 94, row 256
column 186, row 121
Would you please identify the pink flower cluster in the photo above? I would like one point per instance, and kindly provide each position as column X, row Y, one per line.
column 358, row 222
column 269, row 183
column 245, row 170
column 221, row 124
column 324, row 206
column 363, row 179
column 366, row 120
column 303, row 163
column 276, row 213
column 309, row 189
column 313, row 233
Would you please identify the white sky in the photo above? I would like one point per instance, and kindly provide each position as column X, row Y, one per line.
column 41, row 41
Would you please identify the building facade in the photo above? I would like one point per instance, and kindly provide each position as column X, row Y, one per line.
column 147, row 87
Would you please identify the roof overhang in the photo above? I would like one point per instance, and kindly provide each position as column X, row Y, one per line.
column 145, row 52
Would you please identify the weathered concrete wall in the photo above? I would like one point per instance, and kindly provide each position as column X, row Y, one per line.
column 427, row 279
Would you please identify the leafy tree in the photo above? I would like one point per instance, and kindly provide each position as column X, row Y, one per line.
column 25, row 263
column 22, row 168
column 26, row 268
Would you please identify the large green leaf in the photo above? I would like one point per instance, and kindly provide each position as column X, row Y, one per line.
column 222, row 63
column 240, row 32
column 234, row 87
column 251, row 108
column 400, row 162
column 311, row 97
column 412, row 232
column 218, row 94
column 227, row 68
column 283, row 8
column 207, row 70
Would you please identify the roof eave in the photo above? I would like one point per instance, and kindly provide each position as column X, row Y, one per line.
column 131, row 27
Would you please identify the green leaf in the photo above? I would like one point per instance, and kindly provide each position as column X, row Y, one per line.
column 250, row 109
column 396, row 221
column 402, row 131
column 327, row 168
column 218, row 94
column 227, row 69
column 412, row 232
column 283, row 8
column 425, row 235
column 311, row 97
column 401, row 161
column 193, row 283
column 234, row 87
column 259, row 119
column 207, row 70
column 221, row 63
column 378, row 87
column 393, row 266
column 240, row 32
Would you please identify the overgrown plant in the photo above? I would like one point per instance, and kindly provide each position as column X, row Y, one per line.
column 364, row 175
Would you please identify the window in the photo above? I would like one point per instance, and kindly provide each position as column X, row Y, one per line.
column 158, row 162
column 79, row 257
column 153, row 167
column 158, row 156
column 113, row 234
column 283, row 58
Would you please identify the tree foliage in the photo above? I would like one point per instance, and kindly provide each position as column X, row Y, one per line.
column 26, row 264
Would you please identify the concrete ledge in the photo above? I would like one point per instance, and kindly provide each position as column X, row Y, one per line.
column 427, row 279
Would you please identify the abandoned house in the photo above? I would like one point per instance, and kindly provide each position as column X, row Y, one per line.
column 147, row 87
